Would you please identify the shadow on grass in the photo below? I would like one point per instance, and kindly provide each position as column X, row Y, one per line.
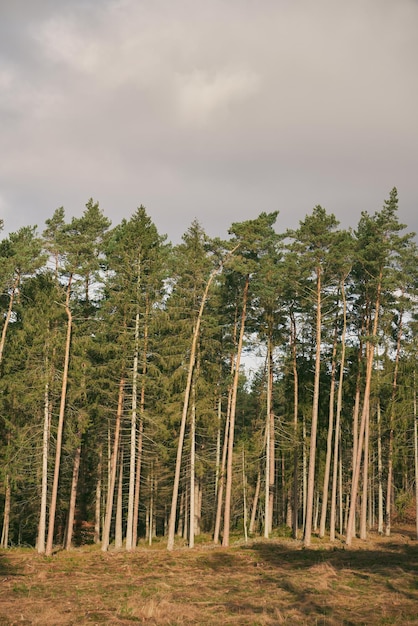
column 309, row 575
column 384, row 562
column 6, row 568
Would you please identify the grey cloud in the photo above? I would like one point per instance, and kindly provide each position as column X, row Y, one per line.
column 209, row 110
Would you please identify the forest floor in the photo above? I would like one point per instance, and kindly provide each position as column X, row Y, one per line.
column 262, row 582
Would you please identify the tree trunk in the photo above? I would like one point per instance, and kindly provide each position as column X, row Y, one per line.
column 229, row 468
column 270, row 460
column 379, row 471
column 132, row 463
column 314, row 425
column 172, row 521
column 73, row 496
column 268, row 450
column 54, row 492
column 325, row 487
column 119, row 501
column 364, row 417
column 141, row 429
column 244, row 497
column 40, row 543
column 98, row 499
column 113, row 468
column 255, row 503
column 192, row 469
column 363, row 512
column 338, row 420
column 295, row 494
column 416, row 454
column 391, row 432
column 4, row 543
column 223, row 462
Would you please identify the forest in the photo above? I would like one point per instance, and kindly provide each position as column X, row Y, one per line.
column 128, row 408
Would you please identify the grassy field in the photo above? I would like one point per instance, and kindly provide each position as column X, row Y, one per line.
column 258, row 583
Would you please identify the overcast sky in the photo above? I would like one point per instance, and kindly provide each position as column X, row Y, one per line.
column 207, row 109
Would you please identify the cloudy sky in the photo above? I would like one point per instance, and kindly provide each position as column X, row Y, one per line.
column 207, row 109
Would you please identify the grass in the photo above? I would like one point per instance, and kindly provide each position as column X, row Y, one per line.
column 261, row 583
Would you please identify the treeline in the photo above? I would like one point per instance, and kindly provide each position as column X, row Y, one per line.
column 126, row 409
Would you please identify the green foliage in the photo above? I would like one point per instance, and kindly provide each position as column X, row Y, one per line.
column 128, row 278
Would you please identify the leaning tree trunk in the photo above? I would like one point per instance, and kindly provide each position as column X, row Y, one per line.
column 192, row 360
column 54, row 492
column 229, row 467
column 255, row 503
column 364, row 417
column 221, row 482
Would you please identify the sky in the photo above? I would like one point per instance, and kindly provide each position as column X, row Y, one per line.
column 214, row 110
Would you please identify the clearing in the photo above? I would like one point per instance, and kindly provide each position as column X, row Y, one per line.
column 259, row 583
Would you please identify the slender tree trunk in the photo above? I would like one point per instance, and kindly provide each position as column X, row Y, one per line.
column 267, row 501
column 379, row 471
column 218, row 447
column 119, row 501
column 40, row 543
column 244, row 497
column 192, row 469
column 272, row 459
column 73, row 496
column 113, row 468
column 304, row 472
column 132, row 463
column 54, row 492
column 98, row 499
column 325, row 487
column 314, row 425
column 338, row 420
column 229, row 468
column 364, row 417
column 255, row 503
column 295, row 502
column 340, row 489
column 391, row 431
column 223, row 462
column 172, row 521
column 363, row 512
column 141, row 428
column 4, row 543
column 416, row 453
column 151, row 506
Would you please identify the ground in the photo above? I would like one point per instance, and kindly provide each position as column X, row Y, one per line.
column 256, row 583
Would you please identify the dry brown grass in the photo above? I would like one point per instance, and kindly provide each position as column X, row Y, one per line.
column 262, row 583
